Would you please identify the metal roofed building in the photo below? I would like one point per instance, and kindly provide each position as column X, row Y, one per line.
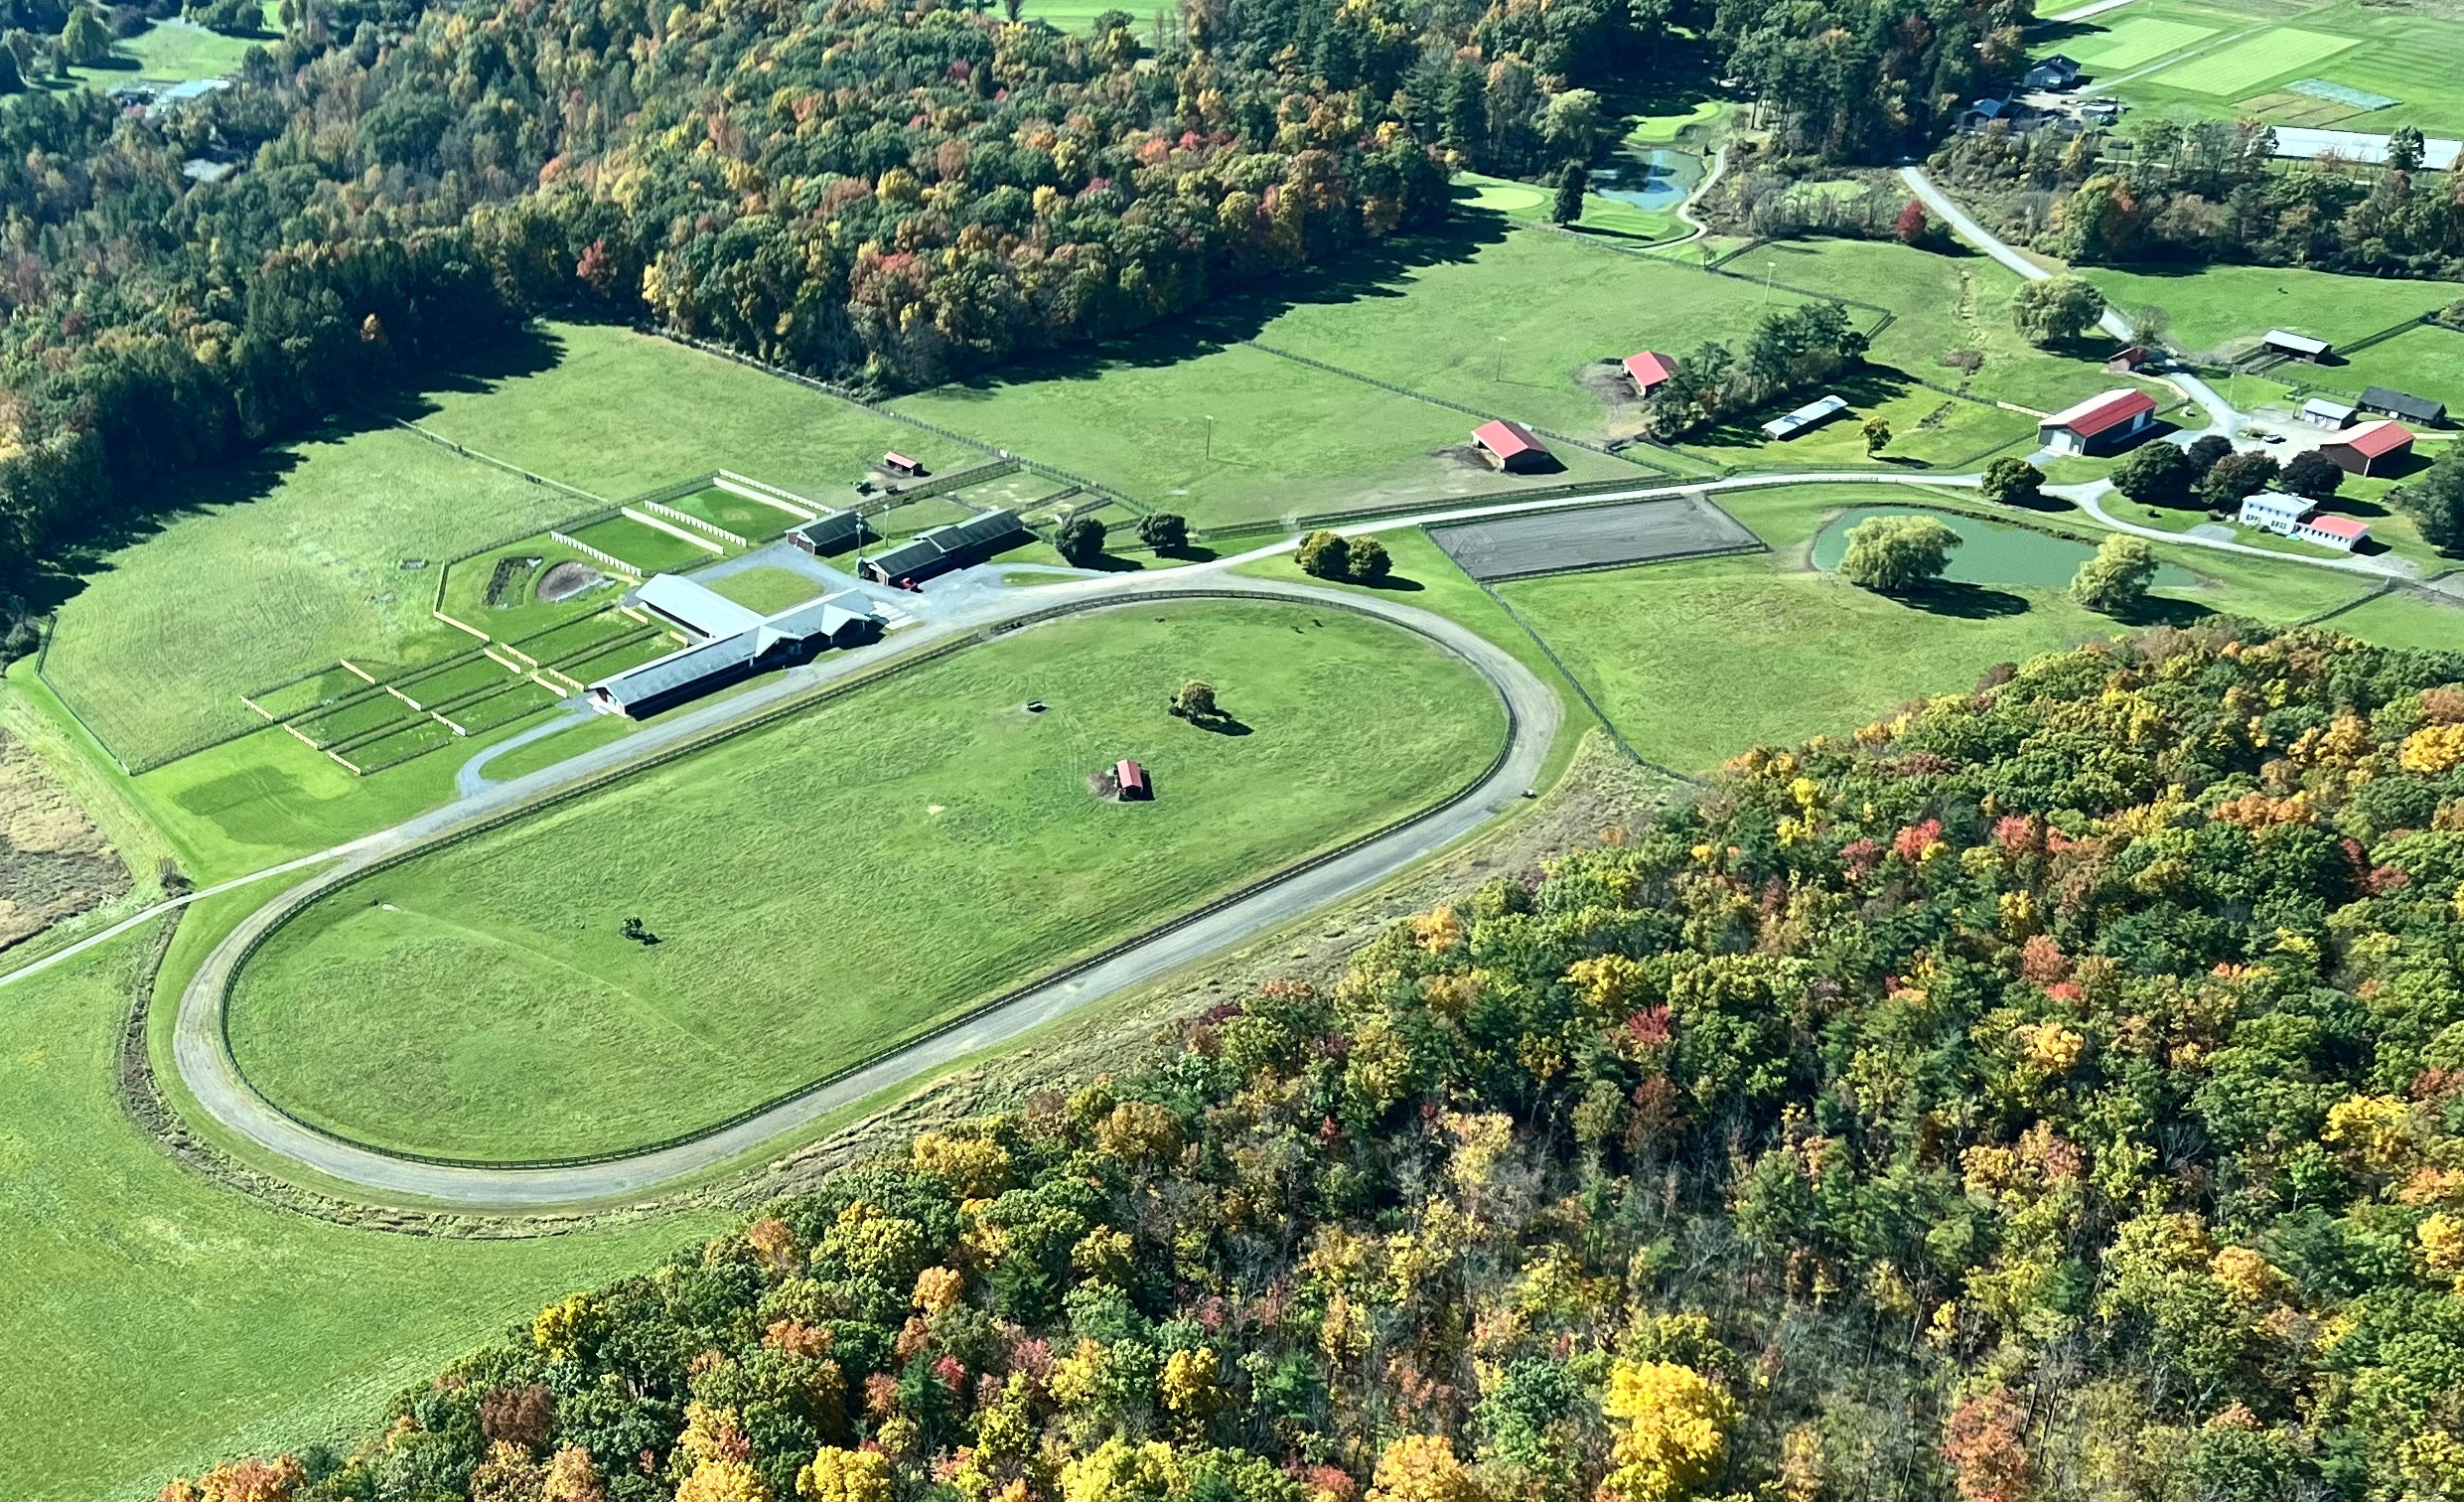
column 1647, row 369
column 2395, row 403
column 2099, row 422
column 845, row 619
column 943, row 547
column 830, row 532
column 1510, row 446
column 703, row 611
column 2298, row 346
column 1806, row 419
column 2326, row 412
column 2371, row 447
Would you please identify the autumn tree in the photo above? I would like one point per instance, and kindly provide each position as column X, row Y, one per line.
column 2116, row 580
column 1985, row 1444
column 1195, row 701
column 1325, row 554
column 2056, row 310
column 1422, row 1469
column 1897, row 554
column 1672, row 1431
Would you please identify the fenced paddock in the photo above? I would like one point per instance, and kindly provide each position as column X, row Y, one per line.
column 1588, row 537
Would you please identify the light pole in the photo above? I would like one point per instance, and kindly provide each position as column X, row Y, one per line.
column 1209, row 440
column 1496, row 368
column 1771, row 272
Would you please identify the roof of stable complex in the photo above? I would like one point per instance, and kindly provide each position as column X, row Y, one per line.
column 1507, row 439
column 733, row 637
column 928, row 548
column 2375, row 440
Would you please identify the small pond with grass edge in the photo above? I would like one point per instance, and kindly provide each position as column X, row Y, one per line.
column 1990, row 552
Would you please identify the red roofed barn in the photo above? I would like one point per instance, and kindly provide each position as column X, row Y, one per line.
column 2371, row 447
column 2100, row 423
column 1648, row 369
column 1511, row 447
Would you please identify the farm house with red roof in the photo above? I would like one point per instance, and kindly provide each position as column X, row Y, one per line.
column 2099, row 424
column 1511, row 447
column 1648, row 369
column 2370, row 448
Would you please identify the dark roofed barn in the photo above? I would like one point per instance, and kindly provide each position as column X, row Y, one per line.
column 2395, row 403
column 942, row 549
column 830, row 532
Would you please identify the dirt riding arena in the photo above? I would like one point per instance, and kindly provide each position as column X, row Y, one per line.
column 1600, row 536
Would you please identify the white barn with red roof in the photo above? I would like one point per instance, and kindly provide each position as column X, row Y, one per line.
column 2100, row 423
column 1648, row 369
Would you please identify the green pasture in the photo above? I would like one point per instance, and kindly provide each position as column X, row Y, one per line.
column 616, row 413
column 1518, row 325
column 1694, row 662
column 2219, row 308
column 765, row 588
column 1228, row 433
column 2427, row 361
column 585, row 735
column 275, row 568
column 171, row 50
column 646, row 547
column 1929, row 430
column 881, row 860
column 754, row 521
column 1939, row 303
column 2403, row 620
column 1080, row 15
column 2222, row 60
column 497, row 591
column 159, row 1324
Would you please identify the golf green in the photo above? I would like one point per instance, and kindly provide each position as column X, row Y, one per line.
column 826, row 887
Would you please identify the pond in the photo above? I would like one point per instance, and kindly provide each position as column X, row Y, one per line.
column 1649, row 179
column 1989, row 552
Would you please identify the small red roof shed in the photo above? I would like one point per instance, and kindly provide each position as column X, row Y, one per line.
column 2097, row 413
column 2371, row 445
column 1649, row 368
column 1132, row 780
column 1509, row 445
column 898, row 464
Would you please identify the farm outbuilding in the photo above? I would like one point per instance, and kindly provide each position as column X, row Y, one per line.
column 2127, row 362
column 1806, row 419
column 898, row 464
column 1130, row 778
column 757, row 642
column 2321, row 412
column 2404, row 405
column 1648, row 369
column 1511, row 447
column 942, row 549
column 2100, row 423
column 830, row 532
column 2371, row 448
column 2296, row 346
column 2057, row 72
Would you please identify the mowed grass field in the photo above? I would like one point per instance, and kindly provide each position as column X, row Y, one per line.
column 2218, row 307
column 616, row 413
column 158, row 1323
column 275, row 568
column 171, row 50
column 2401, row 620
column 1516, row 325
column 1695, row 662
column 1230, row 434
column 832, row 885
column 2226, row 59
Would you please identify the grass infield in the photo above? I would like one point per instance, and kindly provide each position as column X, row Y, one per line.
column 829, row 886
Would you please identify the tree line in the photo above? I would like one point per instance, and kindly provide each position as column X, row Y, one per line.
column 2048, row 1093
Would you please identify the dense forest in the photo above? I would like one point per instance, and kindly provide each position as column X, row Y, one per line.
column 2054, row 1090
column 2213, row 191
column 887, row 193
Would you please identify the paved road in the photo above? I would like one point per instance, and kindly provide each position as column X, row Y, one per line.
column 2090, row 499
column 205, row 1065
column 2221, row 415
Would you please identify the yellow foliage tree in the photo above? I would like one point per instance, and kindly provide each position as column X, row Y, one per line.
column 1118, row 1471
column 1422, row 1469
column 844, row 1475
column 1190, row 1385
column 723, row 1481
column 1672, row 1430
column 561, row 1328
column 572, row 1479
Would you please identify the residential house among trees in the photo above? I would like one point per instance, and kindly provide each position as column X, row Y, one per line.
column 1511, row 447
column 2371, row 448
column 2099, row 424
column 2058, row 72
column 2299, row 517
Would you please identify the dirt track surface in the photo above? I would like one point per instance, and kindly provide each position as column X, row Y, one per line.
column 203, row 1056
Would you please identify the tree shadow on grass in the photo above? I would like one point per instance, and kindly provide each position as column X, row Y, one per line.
column 1393, row 584
column 1966, row 602
column 2158, row 610
column 1222, row 725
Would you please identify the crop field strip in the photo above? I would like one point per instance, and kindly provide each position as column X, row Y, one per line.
column 2236, row 70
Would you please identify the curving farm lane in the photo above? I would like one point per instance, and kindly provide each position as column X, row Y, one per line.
column 205, row 1065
